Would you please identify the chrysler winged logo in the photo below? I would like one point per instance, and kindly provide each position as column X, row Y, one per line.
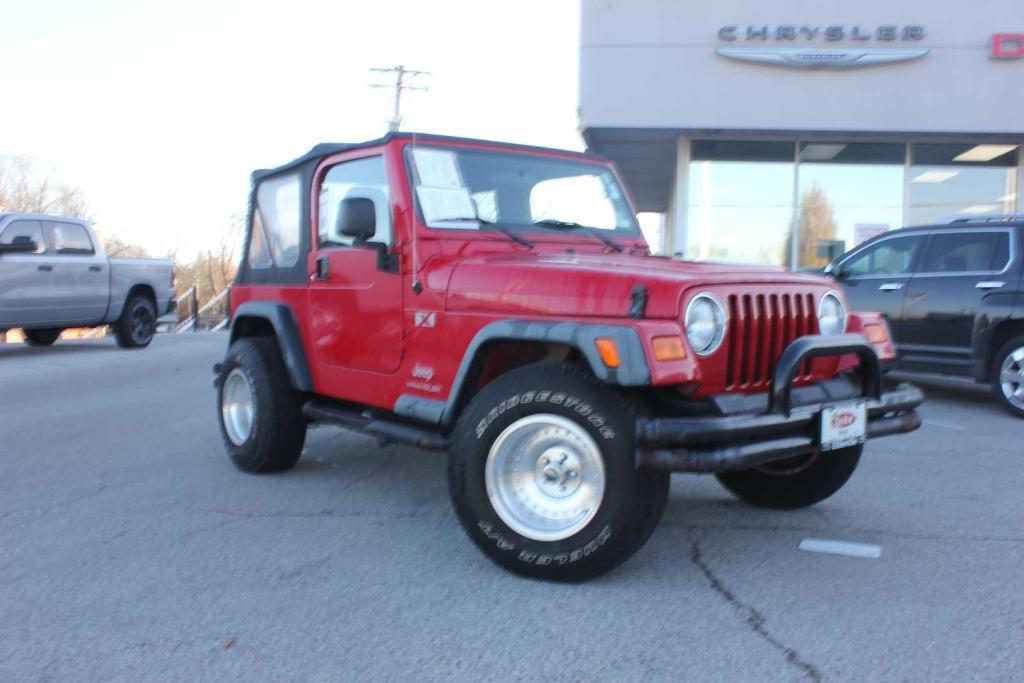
column 827, row 58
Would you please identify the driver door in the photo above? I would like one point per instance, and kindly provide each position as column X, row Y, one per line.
column 355, row 289
column 27, row 279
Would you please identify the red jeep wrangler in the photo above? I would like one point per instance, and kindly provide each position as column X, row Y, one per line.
column 499, row 302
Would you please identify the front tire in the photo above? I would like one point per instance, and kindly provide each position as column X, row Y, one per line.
column 42, row 337
column 260, row 413
column 796, row 482
column 137, row 324
column 1008, row 376
column 542, row 474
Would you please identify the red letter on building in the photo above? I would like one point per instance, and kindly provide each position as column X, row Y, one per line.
column 1008, row 46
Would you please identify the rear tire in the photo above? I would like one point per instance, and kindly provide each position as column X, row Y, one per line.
column 260, row 413
column 543, row 478
column 42, row 337
column 792, row 484
column 137, row 324
column 1008, row 376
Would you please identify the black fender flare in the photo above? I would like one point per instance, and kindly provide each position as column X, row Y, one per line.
column 996, row 308
column 286, row 329
column 632, row 371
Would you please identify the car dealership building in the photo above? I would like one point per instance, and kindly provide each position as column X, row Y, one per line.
column 749, row 123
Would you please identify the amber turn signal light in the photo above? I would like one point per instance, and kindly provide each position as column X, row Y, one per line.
column 875, row 333
column 668, row 348
column 609, row 352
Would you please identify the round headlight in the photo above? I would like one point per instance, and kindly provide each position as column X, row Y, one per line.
column 705, row 324
column 831, row 315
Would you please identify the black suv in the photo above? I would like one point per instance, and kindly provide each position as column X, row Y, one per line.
column 952, row 296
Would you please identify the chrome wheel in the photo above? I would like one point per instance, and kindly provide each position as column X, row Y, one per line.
column 237, row 407
column 1011, row 378
column 545, row 477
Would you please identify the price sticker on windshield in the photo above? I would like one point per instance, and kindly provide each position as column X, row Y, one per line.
column 437, row 168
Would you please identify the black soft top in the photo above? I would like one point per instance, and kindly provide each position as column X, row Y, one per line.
column 325, row 149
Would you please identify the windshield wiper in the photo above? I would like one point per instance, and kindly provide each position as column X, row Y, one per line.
column 570, row 225
column 519, row 239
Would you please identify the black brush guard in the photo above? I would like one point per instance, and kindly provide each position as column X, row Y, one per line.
column 743, row 436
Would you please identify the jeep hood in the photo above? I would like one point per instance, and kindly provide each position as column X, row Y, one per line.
column 594, row 285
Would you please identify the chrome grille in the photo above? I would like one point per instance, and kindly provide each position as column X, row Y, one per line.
column 760, row 327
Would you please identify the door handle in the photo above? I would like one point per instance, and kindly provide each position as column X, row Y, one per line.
column 890, row 287
column 323, row 268
column 95, row 269
column 990, row 284
column 46, row 268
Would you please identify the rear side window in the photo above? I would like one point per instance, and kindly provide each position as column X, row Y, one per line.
column 889, row 257
column 259, row 253
column 69, row 238
column 966, row 252
column 31, row 229
column 278, row 208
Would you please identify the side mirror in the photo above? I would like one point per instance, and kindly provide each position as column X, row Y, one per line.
column 834, row 270
column 357, row 218
column 20, row 244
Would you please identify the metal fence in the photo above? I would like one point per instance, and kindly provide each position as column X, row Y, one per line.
column 210, row 317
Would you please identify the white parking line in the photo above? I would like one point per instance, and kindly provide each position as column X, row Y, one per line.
column 948, row 425
column 820, row 545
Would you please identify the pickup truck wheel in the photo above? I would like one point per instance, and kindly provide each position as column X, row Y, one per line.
column 1008, row 376
column 42, row 337
column 135, row 328
column 260, row 413
column 795, row 482
column 542, row 474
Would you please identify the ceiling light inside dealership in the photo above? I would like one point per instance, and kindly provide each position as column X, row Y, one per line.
column 820, row 152
column 984, row 152
column 980, row 208
column 934, row 176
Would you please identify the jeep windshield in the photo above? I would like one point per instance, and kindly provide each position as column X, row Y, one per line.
column 472, row 189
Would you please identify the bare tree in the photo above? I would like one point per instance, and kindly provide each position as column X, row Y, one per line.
column 24, row 188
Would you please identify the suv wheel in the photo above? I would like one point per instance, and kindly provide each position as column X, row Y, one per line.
column 795, row 482
column 260, row 413
column 1008, row 376
column 42, row 337
column 137, row 324
column 542, row 474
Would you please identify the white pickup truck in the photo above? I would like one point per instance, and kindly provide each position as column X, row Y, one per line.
column 54, row 274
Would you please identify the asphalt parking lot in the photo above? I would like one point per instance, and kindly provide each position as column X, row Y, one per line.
column 131, row 549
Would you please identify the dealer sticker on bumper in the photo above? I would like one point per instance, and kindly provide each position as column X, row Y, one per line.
column 843, row 425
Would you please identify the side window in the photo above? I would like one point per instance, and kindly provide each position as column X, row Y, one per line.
column 69, row 238
column 890, row 257
column 364, row 178
column 279, row 207
column 259, row 254
column 965, row 252
column 30, row 229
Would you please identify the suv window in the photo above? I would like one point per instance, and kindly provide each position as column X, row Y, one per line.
column 69, row 238
column 888, row 257
column 364, row 178
column 32, row 229
column 965, row 252
column 277, row 201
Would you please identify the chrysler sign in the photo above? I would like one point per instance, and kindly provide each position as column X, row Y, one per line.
column 795, row 45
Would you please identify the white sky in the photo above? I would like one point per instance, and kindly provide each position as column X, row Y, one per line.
column 159, row 110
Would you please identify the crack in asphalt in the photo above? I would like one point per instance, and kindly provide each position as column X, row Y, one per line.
column 754, row 618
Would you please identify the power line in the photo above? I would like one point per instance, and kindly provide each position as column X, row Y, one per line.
column 403, row 79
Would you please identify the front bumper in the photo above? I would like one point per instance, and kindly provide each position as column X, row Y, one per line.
column 749, row 431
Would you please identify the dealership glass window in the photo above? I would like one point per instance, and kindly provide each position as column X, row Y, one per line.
column 740, row 201
column 960, row 181
column 847, row 193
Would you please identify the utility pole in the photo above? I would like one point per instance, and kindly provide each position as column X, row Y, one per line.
column 403, row 78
